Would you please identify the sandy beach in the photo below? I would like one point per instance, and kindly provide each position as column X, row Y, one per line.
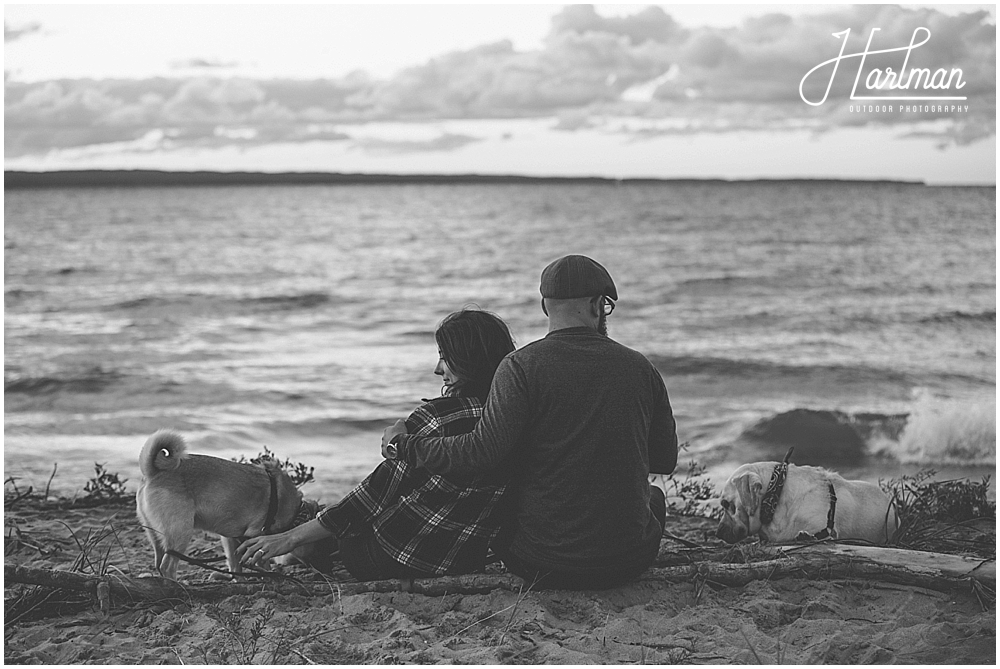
column 333, row 620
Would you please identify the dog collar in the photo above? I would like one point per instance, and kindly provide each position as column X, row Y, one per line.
column 272, row 504
column 769, row 502
column 305, row 514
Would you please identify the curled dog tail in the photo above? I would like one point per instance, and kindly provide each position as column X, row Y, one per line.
column 162, row 451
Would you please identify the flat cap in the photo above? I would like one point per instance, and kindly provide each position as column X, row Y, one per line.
column 576, row 276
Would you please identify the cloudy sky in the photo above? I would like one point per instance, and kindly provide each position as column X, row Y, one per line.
column 608, row 90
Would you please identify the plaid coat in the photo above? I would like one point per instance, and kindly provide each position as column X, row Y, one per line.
column 423, row 520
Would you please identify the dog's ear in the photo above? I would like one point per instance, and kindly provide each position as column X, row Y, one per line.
column 749, row 486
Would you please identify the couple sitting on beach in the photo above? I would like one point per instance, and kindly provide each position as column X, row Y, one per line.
column 542, row 454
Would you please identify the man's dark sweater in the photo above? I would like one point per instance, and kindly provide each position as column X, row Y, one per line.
column 580, row 421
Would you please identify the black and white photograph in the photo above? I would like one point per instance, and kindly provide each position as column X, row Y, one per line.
column 500, row 333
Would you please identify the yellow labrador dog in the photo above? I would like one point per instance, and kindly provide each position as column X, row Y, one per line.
column 782, row 503
column 181, row 492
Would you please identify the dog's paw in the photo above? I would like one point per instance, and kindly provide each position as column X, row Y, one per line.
column 217, row 576
column 287, row 560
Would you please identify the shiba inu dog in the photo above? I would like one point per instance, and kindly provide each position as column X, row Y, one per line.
column 181, row 492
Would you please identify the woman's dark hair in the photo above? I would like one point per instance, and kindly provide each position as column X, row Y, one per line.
column 473, row 342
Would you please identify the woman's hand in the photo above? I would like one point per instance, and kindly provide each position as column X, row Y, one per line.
column 258, row 551
column 399, row 427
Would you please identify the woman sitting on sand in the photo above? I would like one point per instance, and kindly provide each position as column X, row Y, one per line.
column 402, row 521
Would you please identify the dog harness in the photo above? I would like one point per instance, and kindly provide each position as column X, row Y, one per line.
column 829, row 530
column 769, row 502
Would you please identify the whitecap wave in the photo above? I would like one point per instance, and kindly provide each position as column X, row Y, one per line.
column 948, row 431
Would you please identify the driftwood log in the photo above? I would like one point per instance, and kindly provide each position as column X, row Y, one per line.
column 934, row 571
column 116, row 589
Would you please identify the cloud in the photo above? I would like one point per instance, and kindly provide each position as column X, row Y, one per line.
column 443, row 142
column 198, row 111
column 650, row 24
column 14, row 34
column 202, row 64
column 648, row 65
column 590, row 73
column 962, row 133
column 764, row 60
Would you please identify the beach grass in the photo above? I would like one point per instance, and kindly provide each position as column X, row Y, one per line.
column 954, row 516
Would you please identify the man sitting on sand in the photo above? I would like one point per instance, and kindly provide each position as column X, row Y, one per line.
column 580, row 421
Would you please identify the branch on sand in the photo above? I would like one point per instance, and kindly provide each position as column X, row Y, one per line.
column 119, row 589
column 935, row 571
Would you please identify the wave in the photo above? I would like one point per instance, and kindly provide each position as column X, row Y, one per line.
column 279, row 302
column 763, row 370
column 791, row 380
column 16, row 296
column 141, row 303
column 327, row 427
column 949, row 432
column 719, row 284
column 818, row 437
column 198, row 303
column 66, row 271
column 93, row 380
column 937, row 432
column 114, row 398
column 987, row 317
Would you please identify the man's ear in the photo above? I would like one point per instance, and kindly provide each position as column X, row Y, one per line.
column 544, row 310
column 596, row 305
column 749, row 486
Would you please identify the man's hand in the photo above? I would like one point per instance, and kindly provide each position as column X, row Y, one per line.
column 399, row 427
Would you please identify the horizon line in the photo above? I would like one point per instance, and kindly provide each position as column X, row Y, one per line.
column 87, row 178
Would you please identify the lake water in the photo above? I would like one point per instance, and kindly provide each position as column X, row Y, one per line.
column 302, row 317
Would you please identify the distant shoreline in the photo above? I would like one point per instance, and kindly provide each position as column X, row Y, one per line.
column 161, row 178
